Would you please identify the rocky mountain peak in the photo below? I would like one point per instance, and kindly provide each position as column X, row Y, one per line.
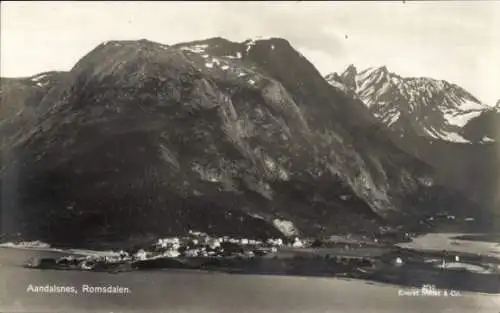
column 418, row 105
column 214, row 135
column 351, row 69
column 348, row 77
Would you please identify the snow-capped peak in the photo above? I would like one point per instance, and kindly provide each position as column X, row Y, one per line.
column 373, row 70
column 425, row 106
column 350, row 72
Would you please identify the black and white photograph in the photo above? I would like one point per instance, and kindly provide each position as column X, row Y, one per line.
column 250, row 156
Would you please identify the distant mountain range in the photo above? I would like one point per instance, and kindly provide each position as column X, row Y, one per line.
column 141, row 138
column 414, row 106
column 436, row 121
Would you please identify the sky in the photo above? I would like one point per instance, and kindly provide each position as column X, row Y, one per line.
column 455, row 41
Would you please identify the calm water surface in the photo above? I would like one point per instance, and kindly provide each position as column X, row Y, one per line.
column 177, row 291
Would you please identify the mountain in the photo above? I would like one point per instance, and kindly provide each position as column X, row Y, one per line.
column 143, row 139
column 19, row 98
column 437, row 122
column 409, row 106
column 485, row 127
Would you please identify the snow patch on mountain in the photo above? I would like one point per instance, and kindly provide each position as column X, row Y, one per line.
column 287, row 228
column 195, row 48
column 234, row 57
column 393, row 119
column 453, row 137
column 250, row 43
column 430, row 107
column 338, row 85
column 464, row 112
column 261, row 38
column 444, row 135
column 39, row 77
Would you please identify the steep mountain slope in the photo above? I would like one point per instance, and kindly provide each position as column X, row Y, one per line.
column 20, row 105
column 425, row 107
column 485, row 127
column 19, row 99
column 229, row 138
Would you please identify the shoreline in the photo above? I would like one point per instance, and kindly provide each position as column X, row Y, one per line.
column 326, row 263
column 402, row 285
column 70, row 251
column 449, row 242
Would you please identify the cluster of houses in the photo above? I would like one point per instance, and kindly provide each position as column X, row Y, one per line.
column 199, row 244
column 193, row 245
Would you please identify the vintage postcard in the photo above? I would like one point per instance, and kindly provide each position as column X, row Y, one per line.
column 293, row 156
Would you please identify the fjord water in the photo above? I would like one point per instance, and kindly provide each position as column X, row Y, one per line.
column 197, row 291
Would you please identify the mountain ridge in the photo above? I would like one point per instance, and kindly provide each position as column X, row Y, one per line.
column 472, row 141
column 206, row 136
column 420, row 106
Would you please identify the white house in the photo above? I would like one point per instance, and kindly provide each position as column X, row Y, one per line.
column 214, row 243
column 141, row 254
column 162, row 243
column 171, row 254
column 191, row 253
column 275, row 242
column 123, row 254
column 174, row 240
column 175, row 246
column 298, row 243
